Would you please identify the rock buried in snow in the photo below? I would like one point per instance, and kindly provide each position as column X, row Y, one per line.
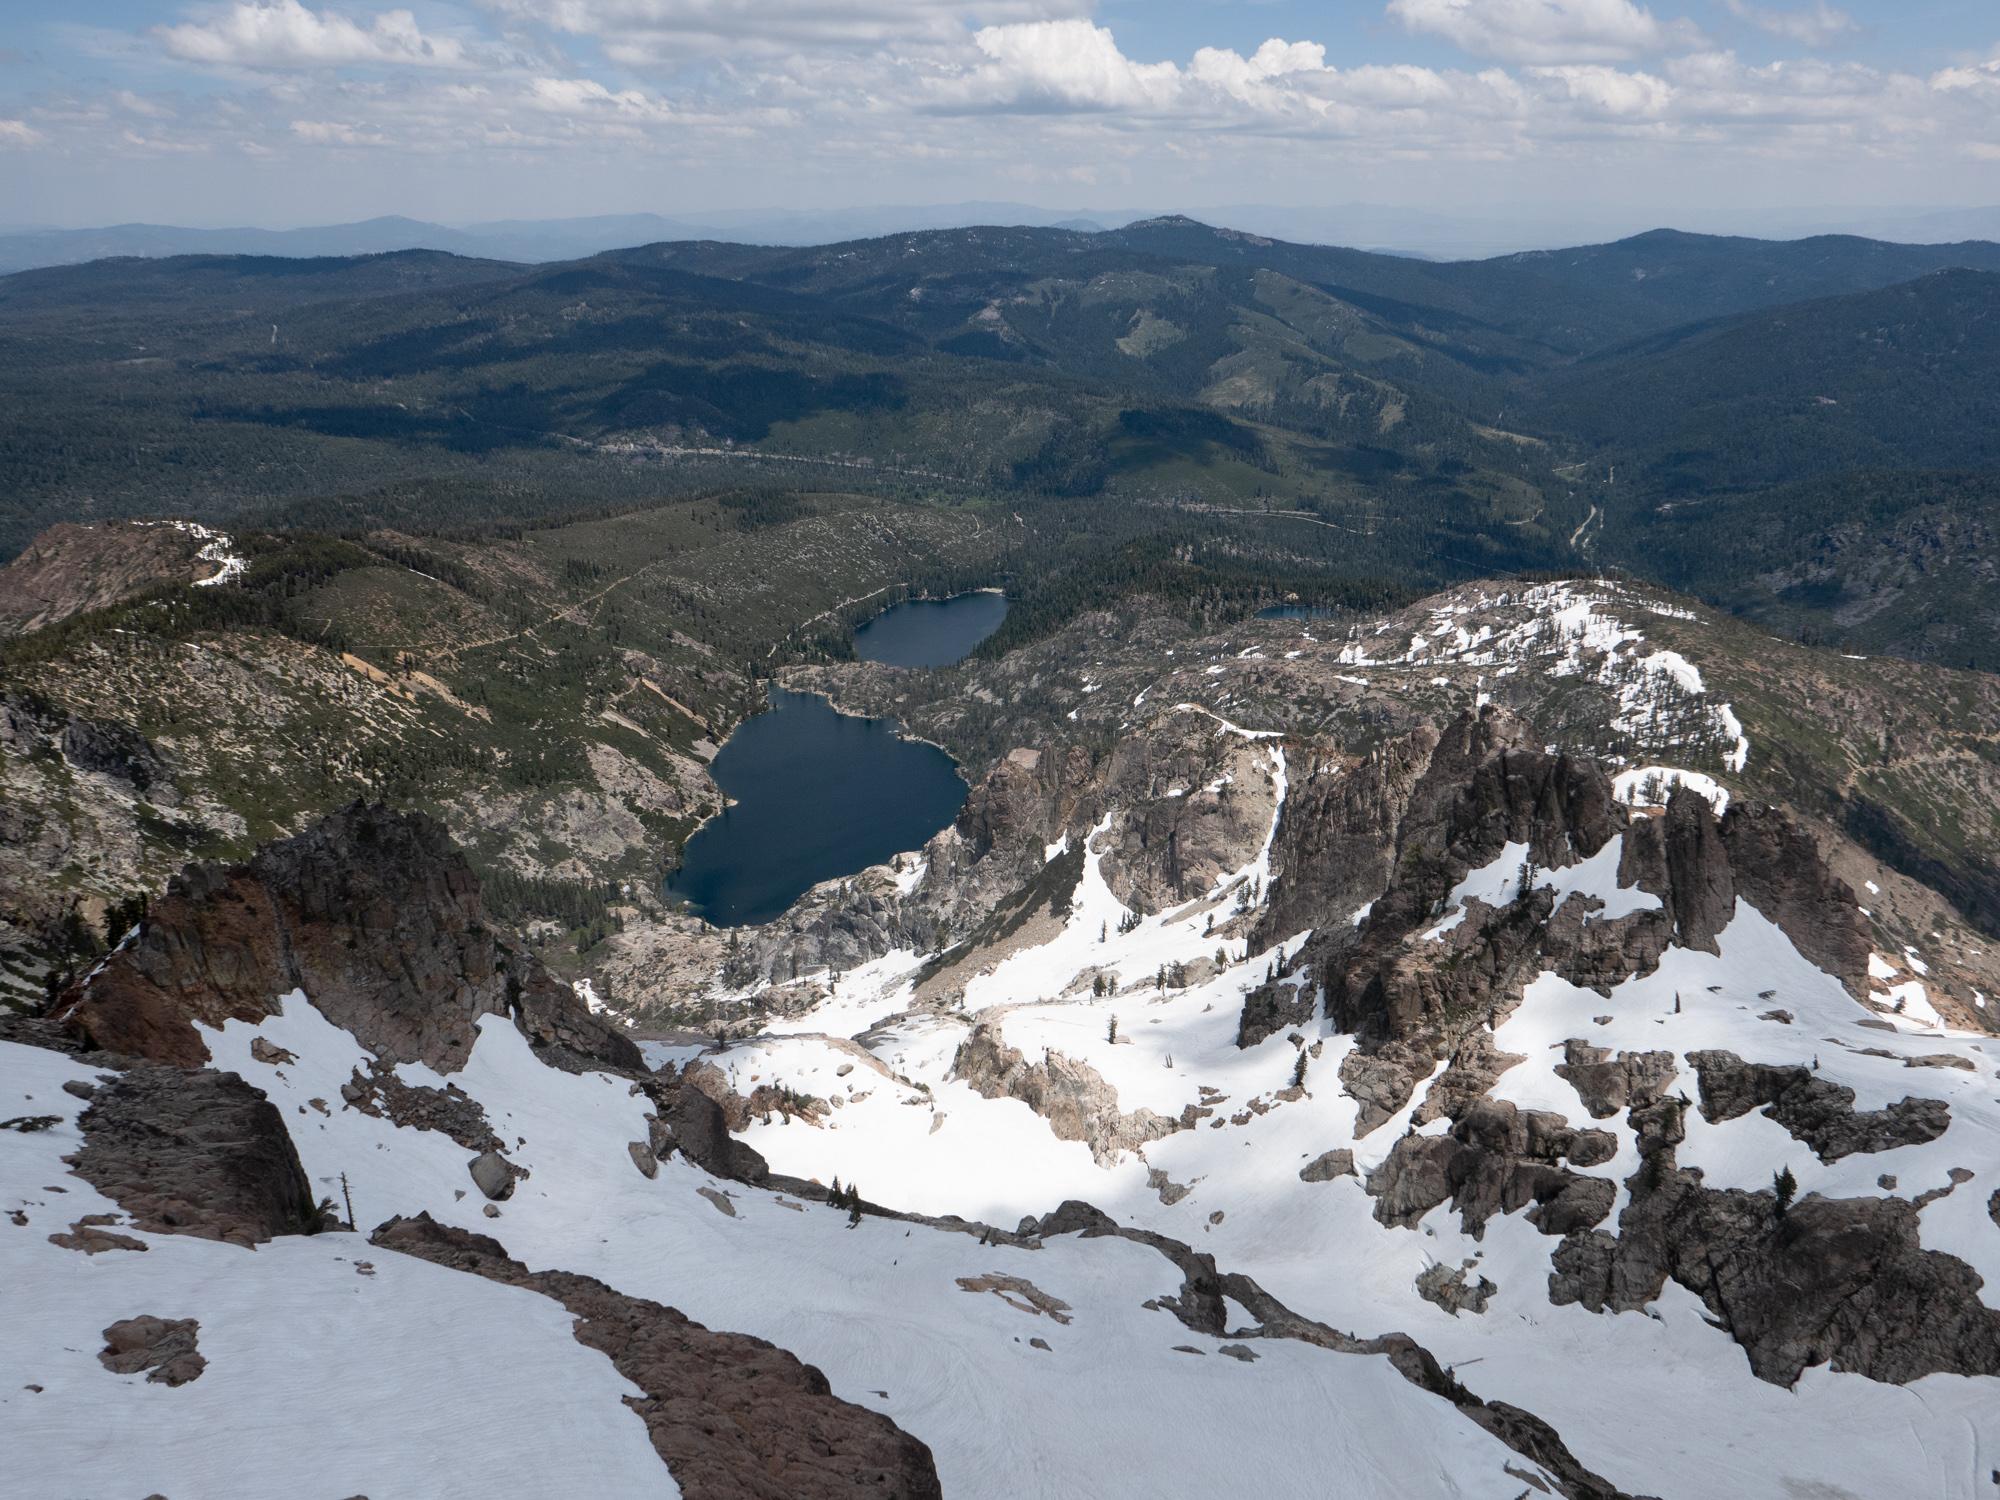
column 164, row 1347
column 1453, row 1289
column 270, row 1052
column 86, row 1237
column 720, row 1200
column 1017, row 1292
column 643, row 1159
column 1328, row 1165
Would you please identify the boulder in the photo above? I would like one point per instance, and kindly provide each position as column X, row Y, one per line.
column 1328, row 1165
column 163, row 1347
column 493, row 1174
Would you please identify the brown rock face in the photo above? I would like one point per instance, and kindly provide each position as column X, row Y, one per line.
column 1816, row 1111
column 191, row 1151
column 732, row 1417
column 68, row 569
column 1839, row 1281
column 373, row 914
column 1072, row 1096
column 163, row 1347
column 1498, row 1159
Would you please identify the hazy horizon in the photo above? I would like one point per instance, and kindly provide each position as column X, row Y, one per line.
column 1377, row 227
column 1689, row 112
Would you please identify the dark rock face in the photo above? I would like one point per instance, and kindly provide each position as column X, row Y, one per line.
column 732, row 1417
column 1276, row 1006
column 1692, row 865
column 696, row 1121
column 1780, row 871
column 1816, row 1111
column 450, row 1110
column 115, row 750
column 190, row 1151
column 1328, row 1165
column 1608, row 1084
column 1335, row 847
column 1497, row 1159
column 1843, row 1281
column 373, row 914
column 1834, row 1280
column 1446, row 804
column 163, row 1347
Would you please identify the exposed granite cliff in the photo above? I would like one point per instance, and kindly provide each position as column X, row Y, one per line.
column 373, row 914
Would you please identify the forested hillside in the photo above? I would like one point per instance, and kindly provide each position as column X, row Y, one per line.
column 1425, row 420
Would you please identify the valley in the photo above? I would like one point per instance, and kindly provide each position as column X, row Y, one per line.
column 1003, row 862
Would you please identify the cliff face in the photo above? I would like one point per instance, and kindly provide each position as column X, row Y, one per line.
column 69, row 569
column 373, row 914
column 1420, row 815
column 378, row 921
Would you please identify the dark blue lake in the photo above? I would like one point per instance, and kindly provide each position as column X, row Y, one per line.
column 818, row 795
column 930, row 632
column 1296, row 612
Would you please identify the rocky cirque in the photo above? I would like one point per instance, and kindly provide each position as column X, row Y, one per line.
column 377, row 917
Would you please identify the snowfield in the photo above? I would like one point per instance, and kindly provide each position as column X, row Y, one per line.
column 333, row 1369
column 402, row 1379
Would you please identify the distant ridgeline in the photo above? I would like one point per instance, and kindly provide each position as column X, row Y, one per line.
column 1403, row 424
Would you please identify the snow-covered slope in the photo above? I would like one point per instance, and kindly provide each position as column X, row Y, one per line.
column 332, row 1369
column 1659, row 1402
column 1510, row 1067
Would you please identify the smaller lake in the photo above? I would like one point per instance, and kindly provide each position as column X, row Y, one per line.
column 818, row 795
column 930, row 632
column 1296, row 612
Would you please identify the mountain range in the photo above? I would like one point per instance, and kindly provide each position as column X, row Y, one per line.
column 1427, row 233
column 1462, row 964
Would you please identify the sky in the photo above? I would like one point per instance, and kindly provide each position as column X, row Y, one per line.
column 286, row 112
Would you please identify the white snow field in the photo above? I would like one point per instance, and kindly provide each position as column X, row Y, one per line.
column 333, row 1369
column 1661, row 1402
column 416, row 1381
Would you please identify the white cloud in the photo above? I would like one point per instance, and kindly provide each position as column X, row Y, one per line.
column 586, row 96
column 1816, row 26
column 1062, row 66
column 285, row 34
column 133, row 104
column 1548, row 31
column 1609, row 92
column 1984, row 75
column 1061, row 101
column 657, row 32
column 336, row 133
